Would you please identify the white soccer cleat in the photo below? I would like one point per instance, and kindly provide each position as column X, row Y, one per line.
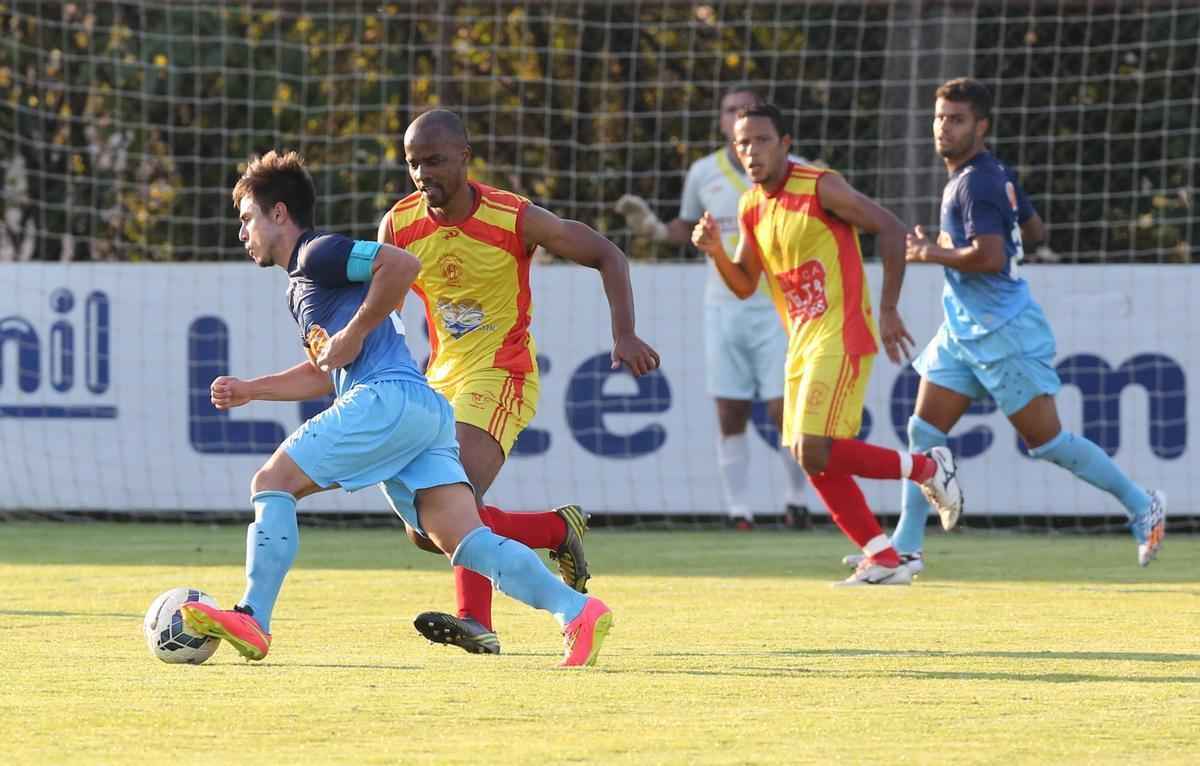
column 942, row 490
column 1150, row 530
column 914, row 561
column 870, row 573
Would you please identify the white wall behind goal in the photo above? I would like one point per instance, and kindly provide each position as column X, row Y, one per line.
column 104, row 371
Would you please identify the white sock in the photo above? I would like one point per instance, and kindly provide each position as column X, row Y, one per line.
column 796, row 483
column 733, row 460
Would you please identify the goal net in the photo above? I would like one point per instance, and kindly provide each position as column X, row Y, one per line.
column 123, row 288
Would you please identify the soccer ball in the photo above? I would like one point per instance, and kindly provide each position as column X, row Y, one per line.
column 168, row 636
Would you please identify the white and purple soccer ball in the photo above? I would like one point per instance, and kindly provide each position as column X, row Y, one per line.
column 168, row 636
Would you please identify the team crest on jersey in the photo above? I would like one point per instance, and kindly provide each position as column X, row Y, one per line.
column 460, row 318
column 818, row 394
column 452, row 270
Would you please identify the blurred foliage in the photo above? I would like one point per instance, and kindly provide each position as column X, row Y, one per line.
column 124, row 123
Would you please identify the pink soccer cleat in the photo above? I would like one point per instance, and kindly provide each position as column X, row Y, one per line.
column 584, row 634
column 238, row 628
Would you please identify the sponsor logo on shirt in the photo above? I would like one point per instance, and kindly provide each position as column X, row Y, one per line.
column 460, row 318
column 804, row 289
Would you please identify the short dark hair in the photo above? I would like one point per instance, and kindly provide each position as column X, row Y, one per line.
column 965, row 90
column 771, row 112
column 279, row 177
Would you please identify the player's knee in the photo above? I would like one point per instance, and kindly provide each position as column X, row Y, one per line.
column 421, row 541
column 814, row 456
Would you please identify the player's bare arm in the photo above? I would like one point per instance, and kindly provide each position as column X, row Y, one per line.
column 392, row 273
column 1033, row 231
column 297, row 384
column 741, row 273
column 580, row 243
column 985, row 254
column 857, row 209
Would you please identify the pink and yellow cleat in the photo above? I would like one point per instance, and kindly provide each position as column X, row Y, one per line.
column 238, row 628
column 584, row 634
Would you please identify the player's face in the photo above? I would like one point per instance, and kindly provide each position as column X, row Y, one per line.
column 956, row 130
column 260, row 232
column 730, row 106
column 437, row 165
column 763, row 152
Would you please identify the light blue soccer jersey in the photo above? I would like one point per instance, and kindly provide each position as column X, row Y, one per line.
column 983, row 197
column 326, row 285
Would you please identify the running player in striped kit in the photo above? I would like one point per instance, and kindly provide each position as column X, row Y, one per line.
column 800, row 226
column 475, row 244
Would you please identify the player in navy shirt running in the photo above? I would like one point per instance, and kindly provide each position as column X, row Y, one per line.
column 385, row 427
column 995, row 340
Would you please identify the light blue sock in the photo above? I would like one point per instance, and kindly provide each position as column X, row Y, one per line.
column 914, row 508
column 271, row 545
column 1087, row 461
column 519, row 572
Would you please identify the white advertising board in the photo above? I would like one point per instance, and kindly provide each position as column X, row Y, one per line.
column 104, row 372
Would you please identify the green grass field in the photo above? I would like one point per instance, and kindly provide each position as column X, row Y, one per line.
column 727, row 648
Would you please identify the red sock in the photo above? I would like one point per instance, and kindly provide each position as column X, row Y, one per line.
column 474, row 592
column 857, row 458
column 537, row 530
column 847, row 506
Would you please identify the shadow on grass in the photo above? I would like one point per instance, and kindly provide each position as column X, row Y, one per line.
column 922, row 675
column 1045, row 655
column 34, row 613
column 958, row 561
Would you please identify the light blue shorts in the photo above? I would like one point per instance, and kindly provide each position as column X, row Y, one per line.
column 745, row 348
column 397, row 434
column 1014, row 364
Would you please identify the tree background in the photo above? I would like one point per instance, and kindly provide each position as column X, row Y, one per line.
column 123, row 124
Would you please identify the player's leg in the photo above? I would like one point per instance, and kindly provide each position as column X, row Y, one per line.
column 733, row 460
column 272, row 540
column 431, row 494
column 795, row 509
column 1024, row 384
column 823, row 405
column 490, row 412
column 729, row 379
column 1039, row 426
column 834, row 394
column 938, row 409
column 768, row 347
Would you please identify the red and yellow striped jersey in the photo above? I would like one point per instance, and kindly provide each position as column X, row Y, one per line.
column 815, row 266
column 474, row 282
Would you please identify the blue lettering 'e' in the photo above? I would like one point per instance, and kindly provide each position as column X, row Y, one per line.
column 587, row 405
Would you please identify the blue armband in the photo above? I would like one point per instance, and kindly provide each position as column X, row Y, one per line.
column 362, row 255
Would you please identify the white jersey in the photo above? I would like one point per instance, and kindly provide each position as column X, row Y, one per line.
column 715, row 184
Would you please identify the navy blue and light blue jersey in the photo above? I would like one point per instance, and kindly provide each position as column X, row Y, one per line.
column 984, row 197
column 327, row 282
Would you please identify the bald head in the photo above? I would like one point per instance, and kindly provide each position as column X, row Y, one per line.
column 437, row 125
column 436, row 150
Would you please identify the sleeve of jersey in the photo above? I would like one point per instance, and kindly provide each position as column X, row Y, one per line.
column 983, row 209
column 334, row 261
column 690, row 207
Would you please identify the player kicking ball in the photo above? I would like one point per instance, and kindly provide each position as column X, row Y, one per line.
column 386, row 426
column 799, row 225
column 995, row 340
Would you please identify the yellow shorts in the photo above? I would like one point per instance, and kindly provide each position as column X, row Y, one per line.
column 495, row 401
column 825, row 396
